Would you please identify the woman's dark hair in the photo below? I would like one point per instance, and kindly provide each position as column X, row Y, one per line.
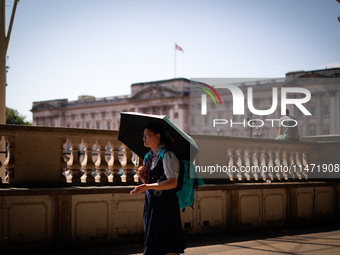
column 157, row 129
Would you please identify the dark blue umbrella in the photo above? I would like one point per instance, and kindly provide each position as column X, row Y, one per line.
column 131, row 131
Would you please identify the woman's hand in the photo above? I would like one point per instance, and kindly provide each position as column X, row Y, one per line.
column 164, row 185
column 141, row 173
column 139, row 189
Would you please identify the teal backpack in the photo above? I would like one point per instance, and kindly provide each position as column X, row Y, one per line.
column 188, row 180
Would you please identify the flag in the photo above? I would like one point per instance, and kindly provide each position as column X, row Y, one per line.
column 178, row 48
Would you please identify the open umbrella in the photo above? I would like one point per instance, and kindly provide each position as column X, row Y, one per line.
column 131, row 134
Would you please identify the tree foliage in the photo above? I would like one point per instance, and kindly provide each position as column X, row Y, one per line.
column 14, row 117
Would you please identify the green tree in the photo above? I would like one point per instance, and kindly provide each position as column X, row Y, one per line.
column 13, row 117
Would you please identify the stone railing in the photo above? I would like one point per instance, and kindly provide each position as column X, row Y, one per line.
column 45, row 156
column 245, row 159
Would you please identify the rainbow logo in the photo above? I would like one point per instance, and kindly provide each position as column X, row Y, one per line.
column 208, row 92
column 204, row 98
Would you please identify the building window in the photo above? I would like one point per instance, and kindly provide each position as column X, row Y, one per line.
column 326, row 131
column 234, row 118
column 98, row 125
column 299, row 113
column 108, row 125
column 206, row 119
column 176, row 115
column 326, row 110
column 312, row 110
column 87, row 125
column 312, row 132
column 193, row 120
column 220, row 115
column 78, row 125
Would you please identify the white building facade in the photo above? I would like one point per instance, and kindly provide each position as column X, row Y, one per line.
column 172, row 98
column 167, row 97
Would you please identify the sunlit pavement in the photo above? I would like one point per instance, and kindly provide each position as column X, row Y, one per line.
column 313, row 240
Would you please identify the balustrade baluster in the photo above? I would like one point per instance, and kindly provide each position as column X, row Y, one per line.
column 63, row 164
column 240, row 162
column 257, row 160
column 9, row 163
column 264, row 164
column 271, row 164
column 278, row 163
column 291, row 163
column 73, row 164
column 101, row 164
column 87, row 164
column 248, row 163
column 285, row 160
column 128, row 165
column 232, row 163
column 114, row 163
column 304, row 164
column 298, row 165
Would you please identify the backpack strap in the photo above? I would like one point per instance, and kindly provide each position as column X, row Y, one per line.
column 146, row 156
column 161, row 154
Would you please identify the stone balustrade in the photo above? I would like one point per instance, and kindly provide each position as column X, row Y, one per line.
column 244, row 159
column 45, row 156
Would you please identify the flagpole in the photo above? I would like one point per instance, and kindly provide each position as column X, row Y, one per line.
column 175, row 59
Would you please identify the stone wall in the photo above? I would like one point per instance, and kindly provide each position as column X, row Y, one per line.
column 63, row 217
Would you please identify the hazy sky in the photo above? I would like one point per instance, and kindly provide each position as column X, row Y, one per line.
column 66, row 48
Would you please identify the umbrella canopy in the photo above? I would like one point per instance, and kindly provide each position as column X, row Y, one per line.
column 131, row 131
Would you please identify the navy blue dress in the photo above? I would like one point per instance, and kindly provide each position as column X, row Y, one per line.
column 162, row 221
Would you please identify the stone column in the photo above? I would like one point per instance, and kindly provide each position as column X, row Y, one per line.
column 103, row 125
column 83, row 124
column 114, row 126
column 337, row 111
column 304, row 125
column 93, row 118
column 318, row 113
column 332, row 112
column 62, row 119
column 73, row 118
column 56, row 120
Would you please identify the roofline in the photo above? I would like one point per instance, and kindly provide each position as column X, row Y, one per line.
column 160, row 81
column 45, row 101
column 300, row 71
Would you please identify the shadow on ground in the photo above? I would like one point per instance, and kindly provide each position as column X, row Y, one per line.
column 135, row 247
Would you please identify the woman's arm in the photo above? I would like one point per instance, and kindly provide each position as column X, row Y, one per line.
column 164, row 185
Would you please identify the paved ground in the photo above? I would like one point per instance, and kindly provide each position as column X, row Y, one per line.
column 316, row 240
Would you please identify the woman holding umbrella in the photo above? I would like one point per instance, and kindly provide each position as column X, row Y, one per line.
column 162, row 221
